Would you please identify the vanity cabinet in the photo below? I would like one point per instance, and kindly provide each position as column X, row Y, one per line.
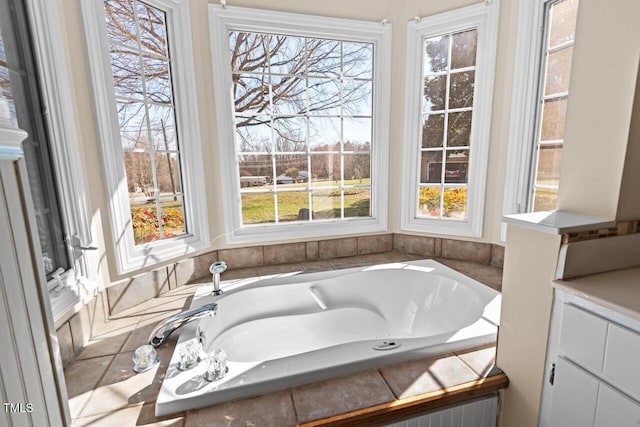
column 593, row 361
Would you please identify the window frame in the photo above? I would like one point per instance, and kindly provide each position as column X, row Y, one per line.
column 224, row 19
column 129, row 256
column 484, row 17
column 528, row 77
column 78, row 284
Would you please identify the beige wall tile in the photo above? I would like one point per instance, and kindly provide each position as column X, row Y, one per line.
column 242, row 257
column 480, row 360
column 340, row 395
column 80, row 325
column 312, row 251
column 438, row 248
column 487, row 274
column 121, row 386
column 238, row 273
column 375, row 244
column 427, row 375
column 139, row 415
column 313, row 266
column 285, row 254
column 107, row 346
column 497, row 255
column 466, row 251
column 337, row 248
column 81, row 377
column 419, row 245
column 271, row 270
column 201, row 265
column 270, row 410
column 65, row 344
column 126, row 293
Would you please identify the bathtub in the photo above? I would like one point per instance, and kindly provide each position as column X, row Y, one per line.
column 298, row 328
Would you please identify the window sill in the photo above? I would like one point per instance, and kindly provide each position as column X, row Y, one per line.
column 462, row 228
column 305, row 230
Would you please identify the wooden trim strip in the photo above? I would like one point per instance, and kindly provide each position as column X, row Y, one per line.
column 415, row 404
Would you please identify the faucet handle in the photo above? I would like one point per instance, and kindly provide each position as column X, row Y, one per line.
column 218, row 267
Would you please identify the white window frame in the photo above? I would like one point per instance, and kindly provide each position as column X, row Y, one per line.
column 224, row 19
column 129, row 256
column 484, row 17
column 527, row 76
column 78, row 284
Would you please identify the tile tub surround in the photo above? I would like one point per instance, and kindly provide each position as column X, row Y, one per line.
column 104, row 390
column 128, row 292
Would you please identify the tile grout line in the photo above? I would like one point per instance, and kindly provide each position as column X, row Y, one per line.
column 387, row 383
column 293, row 405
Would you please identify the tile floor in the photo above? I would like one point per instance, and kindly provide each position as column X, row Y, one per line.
column 104, row 391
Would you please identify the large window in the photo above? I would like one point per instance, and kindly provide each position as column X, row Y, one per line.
column 146, row 102
column 555, row 71
column 34, row 77
column 539, row 104
column 19, row 85
column 308, row 129
column 141, row 67
column 450, row 62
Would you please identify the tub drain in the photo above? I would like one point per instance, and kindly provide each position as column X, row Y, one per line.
column 386, row 345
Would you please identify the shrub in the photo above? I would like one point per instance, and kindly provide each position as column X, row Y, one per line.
column 454, row 200
column 145, row 223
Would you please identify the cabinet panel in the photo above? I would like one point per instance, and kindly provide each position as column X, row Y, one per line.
column 621, row 366
column 583, row 337
column 574, row 398
column 615, row 409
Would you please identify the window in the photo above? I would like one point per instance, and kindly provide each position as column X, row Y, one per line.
column 33, row 57
column 19, row 86
column 539, row 104
column 450, row 62
column 146, row 99
column 304, row 110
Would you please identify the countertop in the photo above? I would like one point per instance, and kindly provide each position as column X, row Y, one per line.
column 617, row 290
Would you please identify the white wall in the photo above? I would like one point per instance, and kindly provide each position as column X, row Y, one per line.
column 603, row 80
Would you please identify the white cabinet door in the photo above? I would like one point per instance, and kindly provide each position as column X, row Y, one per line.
column 583, row 337
column 574, row 396
column 621, row 367
column 615, row 409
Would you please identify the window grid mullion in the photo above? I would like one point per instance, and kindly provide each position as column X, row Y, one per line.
column 273, row 115
column 152, row 148
column 445, row 139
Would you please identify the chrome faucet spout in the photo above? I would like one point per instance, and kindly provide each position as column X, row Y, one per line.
column 165, row 328
column 216, row 269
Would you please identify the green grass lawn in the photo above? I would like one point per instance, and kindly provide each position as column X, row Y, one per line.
column 258, row 208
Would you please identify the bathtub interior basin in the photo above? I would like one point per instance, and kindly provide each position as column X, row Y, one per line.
column 293, row 329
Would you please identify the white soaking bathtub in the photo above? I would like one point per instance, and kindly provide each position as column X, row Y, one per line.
column 298, row 328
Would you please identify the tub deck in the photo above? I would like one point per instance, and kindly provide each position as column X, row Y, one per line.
column 103, row 389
